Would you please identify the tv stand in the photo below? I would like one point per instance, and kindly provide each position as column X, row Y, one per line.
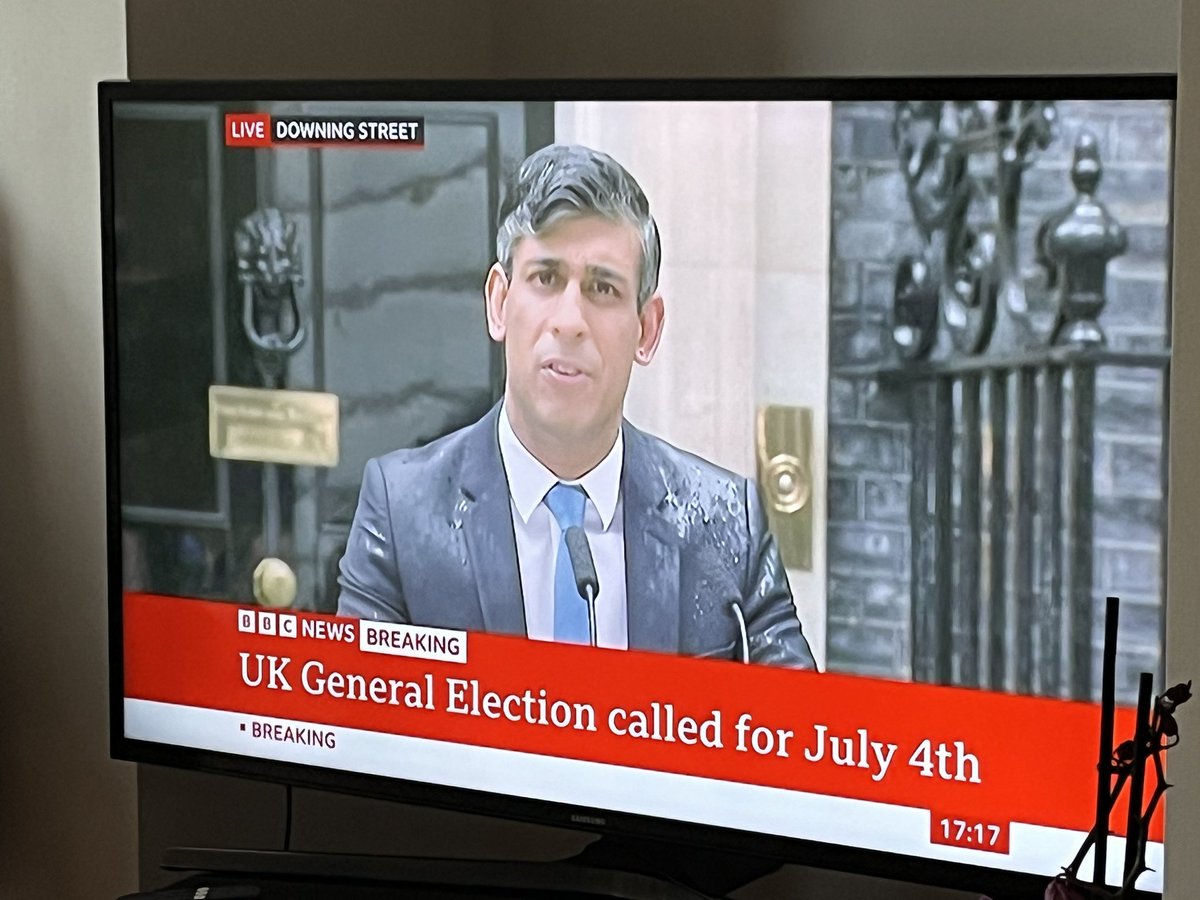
column 628, row 868
column 699, row 869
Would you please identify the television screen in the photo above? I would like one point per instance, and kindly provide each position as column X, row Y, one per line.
column 747, row 463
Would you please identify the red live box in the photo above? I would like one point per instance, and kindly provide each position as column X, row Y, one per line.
column 247, row 130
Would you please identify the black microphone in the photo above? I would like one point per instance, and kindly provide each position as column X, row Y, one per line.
column 584, row 570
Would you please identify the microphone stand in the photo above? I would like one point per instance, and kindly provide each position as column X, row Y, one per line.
column 591, row 602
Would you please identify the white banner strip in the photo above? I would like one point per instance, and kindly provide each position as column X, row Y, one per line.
column 417, row 641
column 834, row 820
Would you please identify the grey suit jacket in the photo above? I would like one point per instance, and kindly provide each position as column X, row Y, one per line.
column 432, row 543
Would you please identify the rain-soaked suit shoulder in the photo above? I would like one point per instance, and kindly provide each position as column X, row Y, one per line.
column 432, row 543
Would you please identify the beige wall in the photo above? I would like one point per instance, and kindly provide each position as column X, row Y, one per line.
column 740, row 191
column 1183, row 562
column 791, row 348
column 66, row 821
column 626, row 38
column 67, row 818
column 698, row 393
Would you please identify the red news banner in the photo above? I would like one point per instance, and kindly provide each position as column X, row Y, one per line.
column 976, row 760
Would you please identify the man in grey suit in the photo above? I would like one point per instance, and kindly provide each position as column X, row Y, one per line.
column 469, row 532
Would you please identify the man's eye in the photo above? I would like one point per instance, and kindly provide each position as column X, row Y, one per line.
column 545, row 277
column 604, row 289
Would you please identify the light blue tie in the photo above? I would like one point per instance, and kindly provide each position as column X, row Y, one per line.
column 567, row 503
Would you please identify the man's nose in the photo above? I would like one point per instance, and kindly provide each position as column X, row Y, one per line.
column 567, row 318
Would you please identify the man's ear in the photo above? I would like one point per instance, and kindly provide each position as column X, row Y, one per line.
column 495, row 292
column 652, row 325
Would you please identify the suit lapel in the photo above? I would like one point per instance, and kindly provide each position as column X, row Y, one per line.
column 651, row 548
column 487, row 524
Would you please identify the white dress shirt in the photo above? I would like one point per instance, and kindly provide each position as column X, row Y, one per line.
column 537, row 534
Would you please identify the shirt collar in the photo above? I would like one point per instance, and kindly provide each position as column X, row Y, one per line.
column 529, row 480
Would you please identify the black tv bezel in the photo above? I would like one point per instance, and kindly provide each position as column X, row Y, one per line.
column 998, row 883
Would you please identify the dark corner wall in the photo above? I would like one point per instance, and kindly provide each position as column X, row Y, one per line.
column 67, row 816
column 625, row 38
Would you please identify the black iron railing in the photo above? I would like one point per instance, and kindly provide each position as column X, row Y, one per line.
column 997, row 365
column 1002, row 509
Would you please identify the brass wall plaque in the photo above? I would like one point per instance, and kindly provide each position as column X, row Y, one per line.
column 784, row 440
column 298, row 428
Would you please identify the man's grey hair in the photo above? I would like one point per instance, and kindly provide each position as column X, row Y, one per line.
column 562, row 181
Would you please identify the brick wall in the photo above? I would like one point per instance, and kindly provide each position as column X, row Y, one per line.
column 870, row 440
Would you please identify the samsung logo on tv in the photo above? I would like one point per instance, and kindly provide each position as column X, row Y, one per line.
column 588, row 820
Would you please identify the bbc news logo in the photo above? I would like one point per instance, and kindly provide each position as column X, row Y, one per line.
column 264, row 130
column 388, row 638
column 271, row 624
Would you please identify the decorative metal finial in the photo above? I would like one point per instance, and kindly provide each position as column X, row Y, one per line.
column 1078, row 242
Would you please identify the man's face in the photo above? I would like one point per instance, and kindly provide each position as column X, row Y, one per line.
column 571, row 329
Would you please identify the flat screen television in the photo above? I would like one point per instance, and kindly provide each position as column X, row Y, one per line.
column 739, row 465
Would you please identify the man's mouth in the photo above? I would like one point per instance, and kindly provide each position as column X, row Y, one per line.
column 562, row 368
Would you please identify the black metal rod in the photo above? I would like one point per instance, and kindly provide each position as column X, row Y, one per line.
column 1025, row 491
column 1050, row 615
column 1108, row 706
column 989, row 363
column 969, row 596
column 1137, row 780
column 1079, row 527
column 997, row 530
column 921, row 545
column 943, row 523
column 1164, row 538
